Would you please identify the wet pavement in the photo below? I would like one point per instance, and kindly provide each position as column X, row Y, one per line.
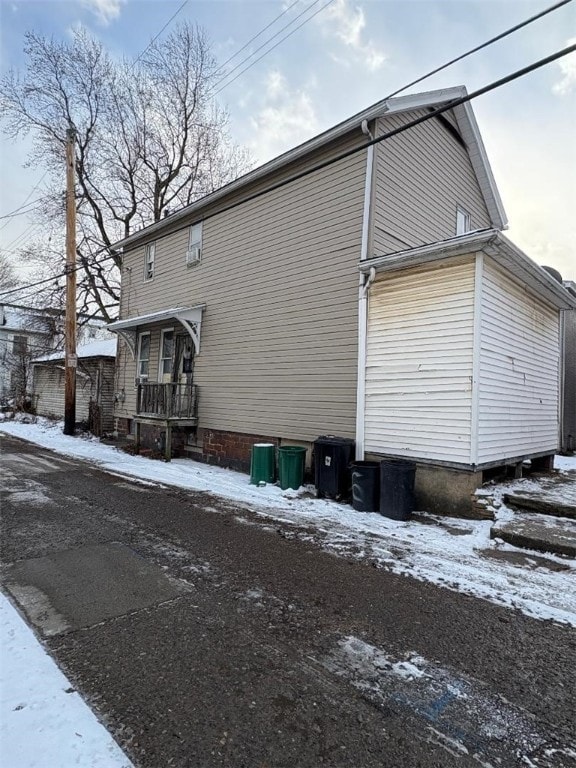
column 202, row 636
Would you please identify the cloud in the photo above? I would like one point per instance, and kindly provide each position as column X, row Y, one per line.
column 104, row 10
column 567, row 67
column 286, row 118
column 347, row 24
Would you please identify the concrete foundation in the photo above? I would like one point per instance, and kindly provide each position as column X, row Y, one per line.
column 447, row 491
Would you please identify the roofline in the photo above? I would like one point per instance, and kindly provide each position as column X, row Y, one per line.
column 380, row 109
column 153, row 317
column 490, row 241
column 482, row 168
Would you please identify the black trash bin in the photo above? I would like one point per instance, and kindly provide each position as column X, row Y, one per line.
column 366, row 486
column 397, row 488
column 332, row 457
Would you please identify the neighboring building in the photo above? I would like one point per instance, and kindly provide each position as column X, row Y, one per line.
column 372, row 298
column 94, row 385
column 568, row 435
column 25, row 333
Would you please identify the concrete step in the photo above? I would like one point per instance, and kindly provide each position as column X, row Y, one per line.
column 541, row 533
column 542, row 503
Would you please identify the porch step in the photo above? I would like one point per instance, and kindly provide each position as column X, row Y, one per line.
column 538, row 532
column 554, row 495
column 545, row 505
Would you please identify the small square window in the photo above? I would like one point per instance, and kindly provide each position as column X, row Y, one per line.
column 463, row 221
column 149, row 261
column 194, row 252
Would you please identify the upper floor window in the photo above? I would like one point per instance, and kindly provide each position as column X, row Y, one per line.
column 150, row 253
column 194, row 252
column 20, row 346
column 463, row 221
column 143, row 355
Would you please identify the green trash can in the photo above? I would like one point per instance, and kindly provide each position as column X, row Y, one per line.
column 291, row 462
column 263, row 463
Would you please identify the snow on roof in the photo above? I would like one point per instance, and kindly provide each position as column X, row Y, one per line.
column 100, row 348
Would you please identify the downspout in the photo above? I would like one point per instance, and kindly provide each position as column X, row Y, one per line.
column 363, row 286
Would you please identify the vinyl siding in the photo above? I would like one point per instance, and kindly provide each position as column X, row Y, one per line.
column 279, row 280
column 519, row 370
column 421, row 175
column 419, row 363
column 49, row 390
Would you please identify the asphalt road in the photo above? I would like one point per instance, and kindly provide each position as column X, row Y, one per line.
column 203, row 635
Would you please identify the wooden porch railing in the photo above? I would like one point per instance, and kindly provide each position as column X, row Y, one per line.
column 167, row 401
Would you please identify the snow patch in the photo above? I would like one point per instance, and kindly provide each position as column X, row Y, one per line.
column 41, row 714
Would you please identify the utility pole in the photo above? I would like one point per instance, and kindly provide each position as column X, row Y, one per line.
column 70, row 359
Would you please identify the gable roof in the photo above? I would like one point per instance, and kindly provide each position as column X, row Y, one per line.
column 466, row 124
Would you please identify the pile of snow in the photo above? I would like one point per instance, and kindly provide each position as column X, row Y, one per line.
column 448, row 552
column 44, row 721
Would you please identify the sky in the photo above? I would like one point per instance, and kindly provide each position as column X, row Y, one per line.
column 347, row 56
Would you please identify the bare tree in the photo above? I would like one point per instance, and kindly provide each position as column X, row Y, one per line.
column 8, row 278
column 150, row 138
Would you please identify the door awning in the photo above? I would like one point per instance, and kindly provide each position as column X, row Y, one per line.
column 189, row 317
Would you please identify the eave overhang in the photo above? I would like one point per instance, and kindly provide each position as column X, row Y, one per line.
column 189, row 317
column 489, row 241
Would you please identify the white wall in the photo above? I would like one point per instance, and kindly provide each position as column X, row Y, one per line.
column 519, row 370
column 419, row 363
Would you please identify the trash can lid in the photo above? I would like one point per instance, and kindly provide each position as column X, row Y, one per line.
column 333, row 440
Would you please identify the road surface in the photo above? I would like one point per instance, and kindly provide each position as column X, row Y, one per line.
column 203, row 635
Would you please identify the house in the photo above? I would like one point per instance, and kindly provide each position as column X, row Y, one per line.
column 25, row 332
column 348, row 290
column 94, row 385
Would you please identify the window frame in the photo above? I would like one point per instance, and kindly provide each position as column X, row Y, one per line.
column 161, row 359
column 149, row 263
column 463, row 221
column 139, row 374
column 194, row 243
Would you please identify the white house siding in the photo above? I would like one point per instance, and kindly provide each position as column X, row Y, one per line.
column 519, row 371
column 279, row 280
column 421, row 176
column 419, row 363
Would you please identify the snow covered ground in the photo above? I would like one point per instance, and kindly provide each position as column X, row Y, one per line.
column 449, row 552
column 43, row 721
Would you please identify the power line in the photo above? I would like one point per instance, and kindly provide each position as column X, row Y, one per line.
column 151, row 43
column 273, row 47
column 27, row 233
column 257, row 35
column 492, row 40
column 386, row 136
column 20, row 212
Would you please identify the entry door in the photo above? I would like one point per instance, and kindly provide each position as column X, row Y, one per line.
column 183, row 359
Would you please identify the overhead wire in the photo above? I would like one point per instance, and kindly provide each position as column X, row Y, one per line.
column 257, row 35
column 156, row 36
column 282, row 39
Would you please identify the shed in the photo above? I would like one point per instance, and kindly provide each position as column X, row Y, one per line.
column 94, row 385
column 462, row 366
